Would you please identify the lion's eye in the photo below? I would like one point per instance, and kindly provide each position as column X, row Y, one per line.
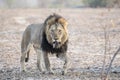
column 59, row 31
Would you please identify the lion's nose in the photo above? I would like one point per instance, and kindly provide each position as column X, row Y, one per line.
column 56, row 38
column 56, row 42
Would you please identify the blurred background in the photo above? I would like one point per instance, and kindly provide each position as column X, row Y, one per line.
column 59, row 3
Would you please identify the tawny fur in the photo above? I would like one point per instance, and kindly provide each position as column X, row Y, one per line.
column 39, row 37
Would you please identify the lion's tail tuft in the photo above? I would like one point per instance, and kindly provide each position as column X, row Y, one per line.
column 27, row 58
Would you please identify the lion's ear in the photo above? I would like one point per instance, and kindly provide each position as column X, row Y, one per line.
column 63, row 22
column 50, row 21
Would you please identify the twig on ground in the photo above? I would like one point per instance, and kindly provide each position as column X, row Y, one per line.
column 105, row 51
column 108, row 71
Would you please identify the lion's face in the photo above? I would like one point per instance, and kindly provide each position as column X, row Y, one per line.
column 57, row 34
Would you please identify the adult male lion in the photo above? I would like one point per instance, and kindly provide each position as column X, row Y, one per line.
column 49, row 37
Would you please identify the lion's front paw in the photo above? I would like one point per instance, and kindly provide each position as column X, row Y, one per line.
column 48, row 72
column 23, row 70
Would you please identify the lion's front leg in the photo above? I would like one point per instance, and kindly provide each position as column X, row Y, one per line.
column 66, row 64
column 41, row 60
column 66, row 60
column 47, row 63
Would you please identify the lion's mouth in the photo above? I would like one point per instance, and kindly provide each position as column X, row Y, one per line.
column 56, row 44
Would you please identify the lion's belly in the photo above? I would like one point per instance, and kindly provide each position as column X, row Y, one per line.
column 36, row 41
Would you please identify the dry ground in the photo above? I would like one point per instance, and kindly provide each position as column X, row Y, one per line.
column 86, row 44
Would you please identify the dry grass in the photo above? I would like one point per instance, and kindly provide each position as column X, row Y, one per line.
column 86, row 47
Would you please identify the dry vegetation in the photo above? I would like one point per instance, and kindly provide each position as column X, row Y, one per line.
column 86, row 44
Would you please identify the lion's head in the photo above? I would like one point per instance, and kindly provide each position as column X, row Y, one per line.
column 56, row 30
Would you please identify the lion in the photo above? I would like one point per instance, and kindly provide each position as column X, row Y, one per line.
column 50, row 37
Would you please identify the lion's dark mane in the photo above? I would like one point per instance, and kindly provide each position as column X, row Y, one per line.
column 49, row 48
column 46, row 46
column 56, row 16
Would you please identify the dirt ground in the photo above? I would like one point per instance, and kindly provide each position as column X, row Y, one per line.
column 86, row 43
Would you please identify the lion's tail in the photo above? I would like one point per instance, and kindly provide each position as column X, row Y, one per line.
column 27, row 58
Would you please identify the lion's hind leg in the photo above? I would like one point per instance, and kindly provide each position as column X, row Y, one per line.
column 25, row 57
column 22, row 61
column 25, row 48
column 24, row 52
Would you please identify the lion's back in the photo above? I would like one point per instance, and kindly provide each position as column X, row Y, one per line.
column 35, row 28
column 33, row 34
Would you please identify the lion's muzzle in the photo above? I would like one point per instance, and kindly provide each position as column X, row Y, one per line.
column 56, row 44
